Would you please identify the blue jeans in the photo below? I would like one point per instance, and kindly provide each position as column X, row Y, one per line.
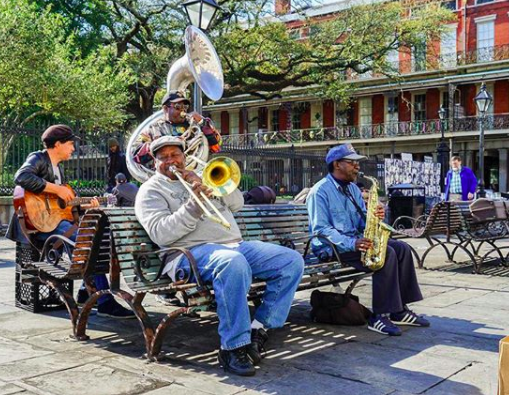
column 231, row 270
column 100, row 280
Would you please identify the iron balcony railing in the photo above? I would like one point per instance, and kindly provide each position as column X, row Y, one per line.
column 383, row 130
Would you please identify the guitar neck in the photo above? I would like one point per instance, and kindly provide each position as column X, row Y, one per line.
column 86, row 200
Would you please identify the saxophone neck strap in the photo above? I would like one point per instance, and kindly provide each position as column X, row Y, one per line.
column 346, row 191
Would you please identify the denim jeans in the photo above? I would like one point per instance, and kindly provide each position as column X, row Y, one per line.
column 100, row 280
column 231, row 270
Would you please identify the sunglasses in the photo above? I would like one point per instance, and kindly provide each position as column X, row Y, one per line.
column 180, row 106
column 351, row 162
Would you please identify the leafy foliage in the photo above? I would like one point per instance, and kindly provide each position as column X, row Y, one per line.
column 267, row 58
column 43, row 72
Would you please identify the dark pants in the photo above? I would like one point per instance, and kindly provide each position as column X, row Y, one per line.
column 394, row 285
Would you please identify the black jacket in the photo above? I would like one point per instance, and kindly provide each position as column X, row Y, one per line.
column 125, row 194
column 32, row 176
column 35, row 172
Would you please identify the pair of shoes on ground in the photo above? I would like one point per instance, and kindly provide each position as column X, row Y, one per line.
column 388, row 324
column 241, row 361
column 168, row 299
column 111, row 308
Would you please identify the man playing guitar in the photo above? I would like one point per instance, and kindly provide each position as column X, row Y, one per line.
column 41, row 173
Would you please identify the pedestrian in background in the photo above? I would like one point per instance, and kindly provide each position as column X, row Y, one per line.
column 460, row 182
column 116, row 164
column 124, row 192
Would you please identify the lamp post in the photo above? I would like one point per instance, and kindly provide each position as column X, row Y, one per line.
column 200, row 14
column 483, row 102
column 442, row 149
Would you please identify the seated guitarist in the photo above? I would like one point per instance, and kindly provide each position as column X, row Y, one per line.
column 41, row 172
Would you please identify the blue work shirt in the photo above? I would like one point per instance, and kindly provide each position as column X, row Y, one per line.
column 333, row 216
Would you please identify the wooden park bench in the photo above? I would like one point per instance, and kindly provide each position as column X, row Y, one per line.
column 479, row 231
column 45, row 275
column 441, row 228
column 136, row 257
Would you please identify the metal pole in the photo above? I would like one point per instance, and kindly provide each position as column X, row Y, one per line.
column 197, row 98
column 482, row 193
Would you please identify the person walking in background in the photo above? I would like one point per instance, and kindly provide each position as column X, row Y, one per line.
column 116, row 164
column 125, row 192
column 460, row 182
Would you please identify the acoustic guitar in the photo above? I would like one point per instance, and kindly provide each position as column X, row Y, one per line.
column 44, row 211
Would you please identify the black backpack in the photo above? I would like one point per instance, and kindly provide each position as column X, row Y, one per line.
column 338, row 309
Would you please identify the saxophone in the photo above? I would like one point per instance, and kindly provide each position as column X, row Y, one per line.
column 376, row 231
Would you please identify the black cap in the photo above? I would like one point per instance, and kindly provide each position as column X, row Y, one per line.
column 62, row 133
column 174, row 97
column 120, row 177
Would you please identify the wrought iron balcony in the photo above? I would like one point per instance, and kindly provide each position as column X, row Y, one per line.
column 384, row 130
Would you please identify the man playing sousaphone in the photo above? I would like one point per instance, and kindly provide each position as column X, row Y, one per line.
column 337, row 212
column 175, row 122
column 172, row 217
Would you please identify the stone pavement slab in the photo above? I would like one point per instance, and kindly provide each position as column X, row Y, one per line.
column 95, row 378
column 457, row 355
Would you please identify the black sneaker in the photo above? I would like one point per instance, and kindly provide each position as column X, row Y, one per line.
column 82, row 296
column 169, row 299
column 236, row 361
column 256, row 349
column 113, row 309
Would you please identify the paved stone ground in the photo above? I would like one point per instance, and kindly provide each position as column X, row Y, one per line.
column 457, row 355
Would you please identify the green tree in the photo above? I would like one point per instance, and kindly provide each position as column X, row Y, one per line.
column 266, row 58
column 43, row 73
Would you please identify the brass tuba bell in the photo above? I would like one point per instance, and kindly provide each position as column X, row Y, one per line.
column 200, row 65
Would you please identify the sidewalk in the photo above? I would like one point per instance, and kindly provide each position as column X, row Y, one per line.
column 457, row 355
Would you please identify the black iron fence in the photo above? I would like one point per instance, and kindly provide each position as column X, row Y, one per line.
column 285, row 170
column 85, row 171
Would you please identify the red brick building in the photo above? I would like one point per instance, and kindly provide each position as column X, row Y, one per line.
column 385, row 118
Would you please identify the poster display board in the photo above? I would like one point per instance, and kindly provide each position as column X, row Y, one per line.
column 424, row 174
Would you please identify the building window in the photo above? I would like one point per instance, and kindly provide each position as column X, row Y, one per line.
column 448, row 48
column 234, row 122
column 450, row 5
column 365, row 111
column 484, row 1
column 392, row 109
column 485, row 40
column 419, row 56
column 275, row 120
column 419, row 107
column 445, row 104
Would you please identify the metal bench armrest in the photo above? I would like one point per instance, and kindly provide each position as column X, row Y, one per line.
column 52, row 255
column 192, row 261
column 326, row 241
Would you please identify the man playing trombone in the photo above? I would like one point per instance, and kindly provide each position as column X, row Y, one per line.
column 173, row 217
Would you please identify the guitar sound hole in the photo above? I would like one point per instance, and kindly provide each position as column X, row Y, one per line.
column 61, row 203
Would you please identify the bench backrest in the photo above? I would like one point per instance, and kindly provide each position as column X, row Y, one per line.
column 281, row 224
column 444, row 218
column 92, row 250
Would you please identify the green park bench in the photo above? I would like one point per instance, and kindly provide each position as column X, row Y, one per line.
column 136, row 257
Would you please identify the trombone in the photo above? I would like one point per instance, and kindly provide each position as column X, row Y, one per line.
column 222, row 176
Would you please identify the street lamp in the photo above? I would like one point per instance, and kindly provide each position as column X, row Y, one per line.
column 483, row 102
column 442, row 149
column 200, row 14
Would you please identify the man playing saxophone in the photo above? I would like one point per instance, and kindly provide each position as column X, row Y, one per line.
column 337, row 212
column 172, row 217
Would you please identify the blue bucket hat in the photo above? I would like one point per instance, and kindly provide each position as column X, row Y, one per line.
column 343, row 151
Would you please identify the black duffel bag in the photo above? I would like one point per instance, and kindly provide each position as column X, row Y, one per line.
column 338, row 309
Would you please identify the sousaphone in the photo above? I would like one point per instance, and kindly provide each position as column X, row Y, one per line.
column 201, row 65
